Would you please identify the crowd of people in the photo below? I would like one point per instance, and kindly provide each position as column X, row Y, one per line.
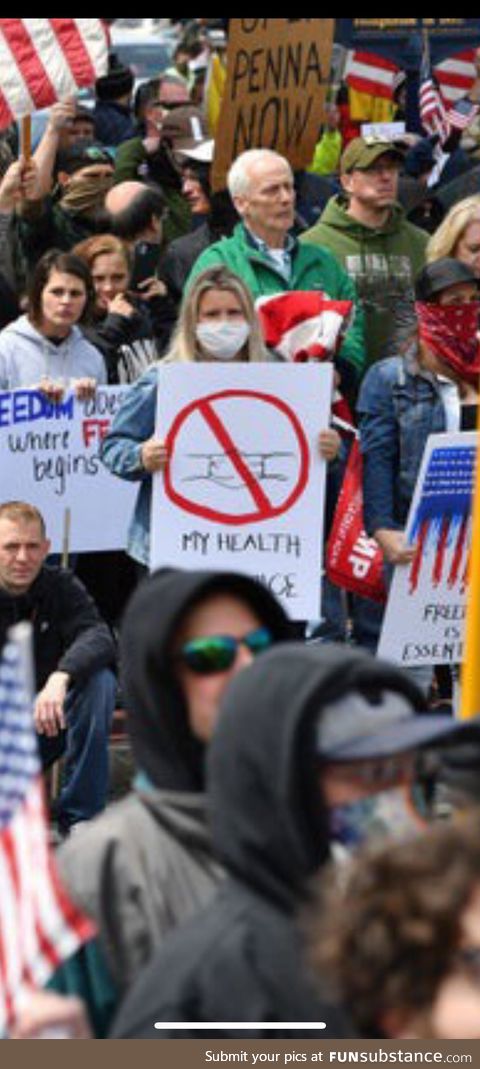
column 264, row 865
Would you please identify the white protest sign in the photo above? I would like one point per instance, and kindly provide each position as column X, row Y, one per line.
column 245, row 485
column 425, row 614
column 49, row 457
column 386, row 131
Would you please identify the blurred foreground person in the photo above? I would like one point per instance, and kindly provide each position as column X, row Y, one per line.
column 148, row 865
column 399, row 937
column 287, row 779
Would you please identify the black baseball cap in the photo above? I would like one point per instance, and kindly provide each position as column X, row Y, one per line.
column 439, row 275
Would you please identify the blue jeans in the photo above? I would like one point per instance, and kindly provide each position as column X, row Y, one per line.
column 89, row 708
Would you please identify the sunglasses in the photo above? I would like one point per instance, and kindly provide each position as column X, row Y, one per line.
column 217, row 653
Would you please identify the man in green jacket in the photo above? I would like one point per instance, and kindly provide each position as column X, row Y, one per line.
column 368, row 233
column 264, row 254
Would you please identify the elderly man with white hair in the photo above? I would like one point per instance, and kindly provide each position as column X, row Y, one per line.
column 265, row 254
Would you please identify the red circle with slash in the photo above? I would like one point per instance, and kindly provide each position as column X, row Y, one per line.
column 264, row 508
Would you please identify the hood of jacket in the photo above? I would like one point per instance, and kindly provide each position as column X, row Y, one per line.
column 25, row 331
column 336, row 215
column 269, row 820
column 158, row 724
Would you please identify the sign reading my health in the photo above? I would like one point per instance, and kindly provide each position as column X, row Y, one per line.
column 245, row 484
column 425, row 616
column 49, row 456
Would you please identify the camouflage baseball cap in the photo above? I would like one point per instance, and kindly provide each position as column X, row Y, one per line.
column 362, row 152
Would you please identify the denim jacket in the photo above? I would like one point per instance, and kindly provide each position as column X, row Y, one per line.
column 398, row 407
column 133, row 424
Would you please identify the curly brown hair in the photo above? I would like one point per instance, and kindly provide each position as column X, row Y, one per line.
column 386, row 927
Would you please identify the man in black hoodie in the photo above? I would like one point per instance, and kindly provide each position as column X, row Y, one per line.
column 147, row 863
column 279, row 777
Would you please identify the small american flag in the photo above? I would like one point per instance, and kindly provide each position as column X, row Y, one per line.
column 462, row 113
column 39, row 926
column 433, row 115
column 45, row 60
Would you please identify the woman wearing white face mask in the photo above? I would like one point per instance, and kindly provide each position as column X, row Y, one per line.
column 217, row 321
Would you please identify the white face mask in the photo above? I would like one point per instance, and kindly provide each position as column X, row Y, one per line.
column 221, row 340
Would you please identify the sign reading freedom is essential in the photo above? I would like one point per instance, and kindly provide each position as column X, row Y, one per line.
column 425, row 616
column 277, row 75
column 49, row 456
column 244, row 489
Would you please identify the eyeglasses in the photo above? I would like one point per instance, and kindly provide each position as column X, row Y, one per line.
column 217, row 653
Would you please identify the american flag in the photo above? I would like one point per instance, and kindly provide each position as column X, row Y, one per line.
column 462, row 114
column 39, row 926
column 433, row 114
column 44, row 60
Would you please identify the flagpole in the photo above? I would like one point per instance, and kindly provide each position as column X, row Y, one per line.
column 26, row 138
column 470, row 675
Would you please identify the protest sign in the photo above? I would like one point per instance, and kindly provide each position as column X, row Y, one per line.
column 49, row 456
column 245, row 484
column 425, row 616
column 277, row 74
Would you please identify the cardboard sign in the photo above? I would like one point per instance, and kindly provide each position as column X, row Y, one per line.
column 425, row 616
column 245, row 485
column 49, row 457
column 277, row 74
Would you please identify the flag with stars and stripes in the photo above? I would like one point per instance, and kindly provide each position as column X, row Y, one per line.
column 39, row 926
column 433, row 113
column 45, row 60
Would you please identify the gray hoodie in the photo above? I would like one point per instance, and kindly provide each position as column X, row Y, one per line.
column 26, row 357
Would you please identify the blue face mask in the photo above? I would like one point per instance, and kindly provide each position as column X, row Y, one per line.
column 389, row 814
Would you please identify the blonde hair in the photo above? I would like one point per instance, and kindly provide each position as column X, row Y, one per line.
column 445, row 239
column 184, row 345
column 22, row 512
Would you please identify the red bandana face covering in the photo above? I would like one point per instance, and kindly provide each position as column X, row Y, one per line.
column 450, row 331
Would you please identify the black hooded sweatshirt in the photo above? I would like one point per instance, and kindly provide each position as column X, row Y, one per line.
column 241, row 958
column 146, row 864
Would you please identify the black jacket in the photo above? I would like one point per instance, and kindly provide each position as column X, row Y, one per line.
column 129, row 344
column 242, row 958
column 68, row 632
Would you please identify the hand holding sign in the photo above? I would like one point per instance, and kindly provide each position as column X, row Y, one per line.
column 154, row 454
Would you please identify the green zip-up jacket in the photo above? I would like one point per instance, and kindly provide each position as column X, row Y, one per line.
column 312, row 269
column 382, row 263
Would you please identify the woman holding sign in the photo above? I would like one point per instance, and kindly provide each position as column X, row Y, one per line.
column 430, row 388
column 217, row 322
column 46, row 349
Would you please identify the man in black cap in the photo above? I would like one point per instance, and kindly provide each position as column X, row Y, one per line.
column 71, row 212
column 314, row 750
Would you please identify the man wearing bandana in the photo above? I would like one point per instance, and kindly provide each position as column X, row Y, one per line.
column 429, row 389
column 72, row 212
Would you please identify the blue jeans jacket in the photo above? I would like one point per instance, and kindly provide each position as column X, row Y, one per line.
column 399, row 406
column 133, row 424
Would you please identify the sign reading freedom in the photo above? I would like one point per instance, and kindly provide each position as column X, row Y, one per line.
column 277, row 75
